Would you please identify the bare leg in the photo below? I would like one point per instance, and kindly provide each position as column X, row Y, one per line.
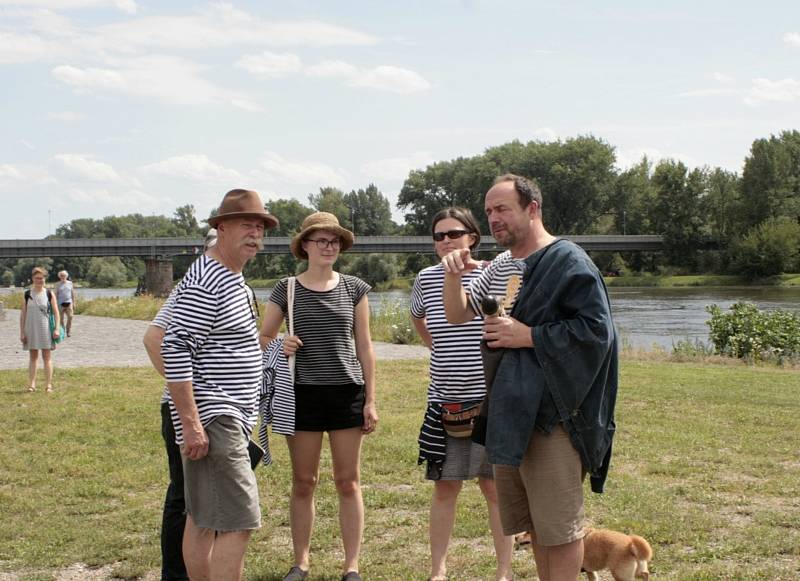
column 227, row 556
column 33, row 355
column 304, row 452
column 443, row 518
column 560, row 562
column 48, row 367
column 198, row 545
column 346, row 456
column 503, row 545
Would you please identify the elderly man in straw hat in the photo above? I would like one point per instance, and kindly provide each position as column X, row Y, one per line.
column 212, row 363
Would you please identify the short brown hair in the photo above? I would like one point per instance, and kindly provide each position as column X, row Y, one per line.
column 464, row 216
column 527, row 189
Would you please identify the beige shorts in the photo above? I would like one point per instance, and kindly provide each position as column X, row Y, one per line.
column 220, row 489
column 545, row 493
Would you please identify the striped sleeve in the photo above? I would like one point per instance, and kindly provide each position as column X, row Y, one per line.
column 164, row 315
column 417, row 298
column 279, row 295
column 359, row 289
column 193, row 318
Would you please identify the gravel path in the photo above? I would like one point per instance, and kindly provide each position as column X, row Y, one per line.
column 108, row 342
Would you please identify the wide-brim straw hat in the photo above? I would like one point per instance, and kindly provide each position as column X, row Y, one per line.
column 242, row 204
column 320, row 221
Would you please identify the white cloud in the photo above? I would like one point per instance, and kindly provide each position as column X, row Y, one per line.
column 221, row 25
column 545, row 134
column 277, row 169
column 67, row 116
column 84, row 168
column 42, row 35
column 269, row 64
column 90, row 78
column 765, row 90
column 629, row 157
column 167, row 78
column 126, row 198
column 9, row 173
column 13, row 176
column 396, row 168
column 792, row 39
column 722, row 77
column 25, row 47
column 195, row 167
column 384, row 77
column 128, row 6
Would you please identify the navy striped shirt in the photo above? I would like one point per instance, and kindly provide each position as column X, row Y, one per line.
column 456, row 367
column 212, row 341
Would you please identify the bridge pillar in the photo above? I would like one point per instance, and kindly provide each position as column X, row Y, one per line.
column 158, row 276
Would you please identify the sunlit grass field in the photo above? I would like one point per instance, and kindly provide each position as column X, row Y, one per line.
column 706, row 466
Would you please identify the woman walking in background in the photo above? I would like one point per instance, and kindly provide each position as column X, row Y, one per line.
column 334, row 383
column 456, row 378
column 34, row 327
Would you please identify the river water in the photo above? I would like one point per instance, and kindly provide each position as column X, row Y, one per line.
column 645, row 317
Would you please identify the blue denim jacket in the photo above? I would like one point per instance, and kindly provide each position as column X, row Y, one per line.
column 574, row 362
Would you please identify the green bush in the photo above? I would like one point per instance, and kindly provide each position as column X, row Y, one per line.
column 772, row 247
column 746, row 332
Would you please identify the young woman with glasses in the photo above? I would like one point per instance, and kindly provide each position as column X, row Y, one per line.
column 456, row 377
column 334, row 383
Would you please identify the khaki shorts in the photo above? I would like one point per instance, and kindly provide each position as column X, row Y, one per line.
column 545, row 493
column 220, row 489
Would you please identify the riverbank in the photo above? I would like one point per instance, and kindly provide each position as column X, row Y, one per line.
column 113, row 342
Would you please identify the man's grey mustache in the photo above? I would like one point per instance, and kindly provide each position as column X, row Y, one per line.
column 259, row 242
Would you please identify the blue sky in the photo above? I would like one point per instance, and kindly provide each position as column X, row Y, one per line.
column 120, row 106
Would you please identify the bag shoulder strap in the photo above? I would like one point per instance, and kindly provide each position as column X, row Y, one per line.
column 27, row 295
column 290, row 284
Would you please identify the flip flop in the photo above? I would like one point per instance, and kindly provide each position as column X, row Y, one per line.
column 49, row 389
column 32, row 388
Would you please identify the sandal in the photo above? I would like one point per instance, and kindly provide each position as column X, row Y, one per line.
column 49, row 389
column 31, row 388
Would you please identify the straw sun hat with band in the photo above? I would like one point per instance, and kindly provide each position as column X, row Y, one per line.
column 320, row 221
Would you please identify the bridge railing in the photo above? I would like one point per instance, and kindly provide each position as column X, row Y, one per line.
column 169, row 247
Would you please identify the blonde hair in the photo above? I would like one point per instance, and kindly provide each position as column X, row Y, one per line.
column 38, row 270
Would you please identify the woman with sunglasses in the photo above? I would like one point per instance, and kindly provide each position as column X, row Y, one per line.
column 334, row 383
column 456, row 378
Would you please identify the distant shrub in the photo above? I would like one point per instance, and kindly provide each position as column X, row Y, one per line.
column 746, row 332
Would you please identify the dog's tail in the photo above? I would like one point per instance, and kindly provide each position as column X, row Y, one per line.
column 641, row 549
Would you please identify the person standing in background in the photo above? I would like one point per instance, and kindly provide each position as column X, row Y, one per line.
column 65, row 294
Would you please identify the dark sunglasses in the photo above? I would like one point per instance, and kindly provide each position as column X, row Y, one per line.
column 451, row 234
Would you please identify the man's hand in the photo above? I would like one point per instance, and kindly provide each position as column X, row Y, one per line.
column 459, row 261
column 195, row 441
column 507, row 332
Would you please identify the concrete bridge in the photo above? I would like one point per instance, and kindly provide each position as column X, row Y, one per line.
column 158, row 252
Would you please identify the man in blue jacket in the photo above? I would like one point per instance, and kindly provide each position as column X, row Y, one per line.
column 551, row 405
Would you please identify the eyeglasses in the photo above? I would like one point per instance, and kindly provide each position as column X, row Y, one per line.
column 451, row 234
column 323, row 243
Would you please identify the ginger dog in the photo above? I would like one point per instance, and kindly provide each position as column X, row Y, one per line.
column 626, row 556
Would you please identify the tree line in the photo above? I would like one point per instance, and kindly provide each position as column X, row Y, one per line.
column 713, row 220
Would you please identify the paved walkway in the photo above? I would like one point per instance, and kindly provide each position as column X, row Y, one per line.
column 108, row 342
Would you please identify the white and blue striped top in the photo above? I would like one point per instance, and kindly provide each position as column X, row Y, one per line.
column 456, row 368
column 501, row 278
column 212, row 341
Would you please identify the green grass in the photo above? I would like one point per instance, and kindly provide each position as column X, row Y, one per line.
column 706, row 466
